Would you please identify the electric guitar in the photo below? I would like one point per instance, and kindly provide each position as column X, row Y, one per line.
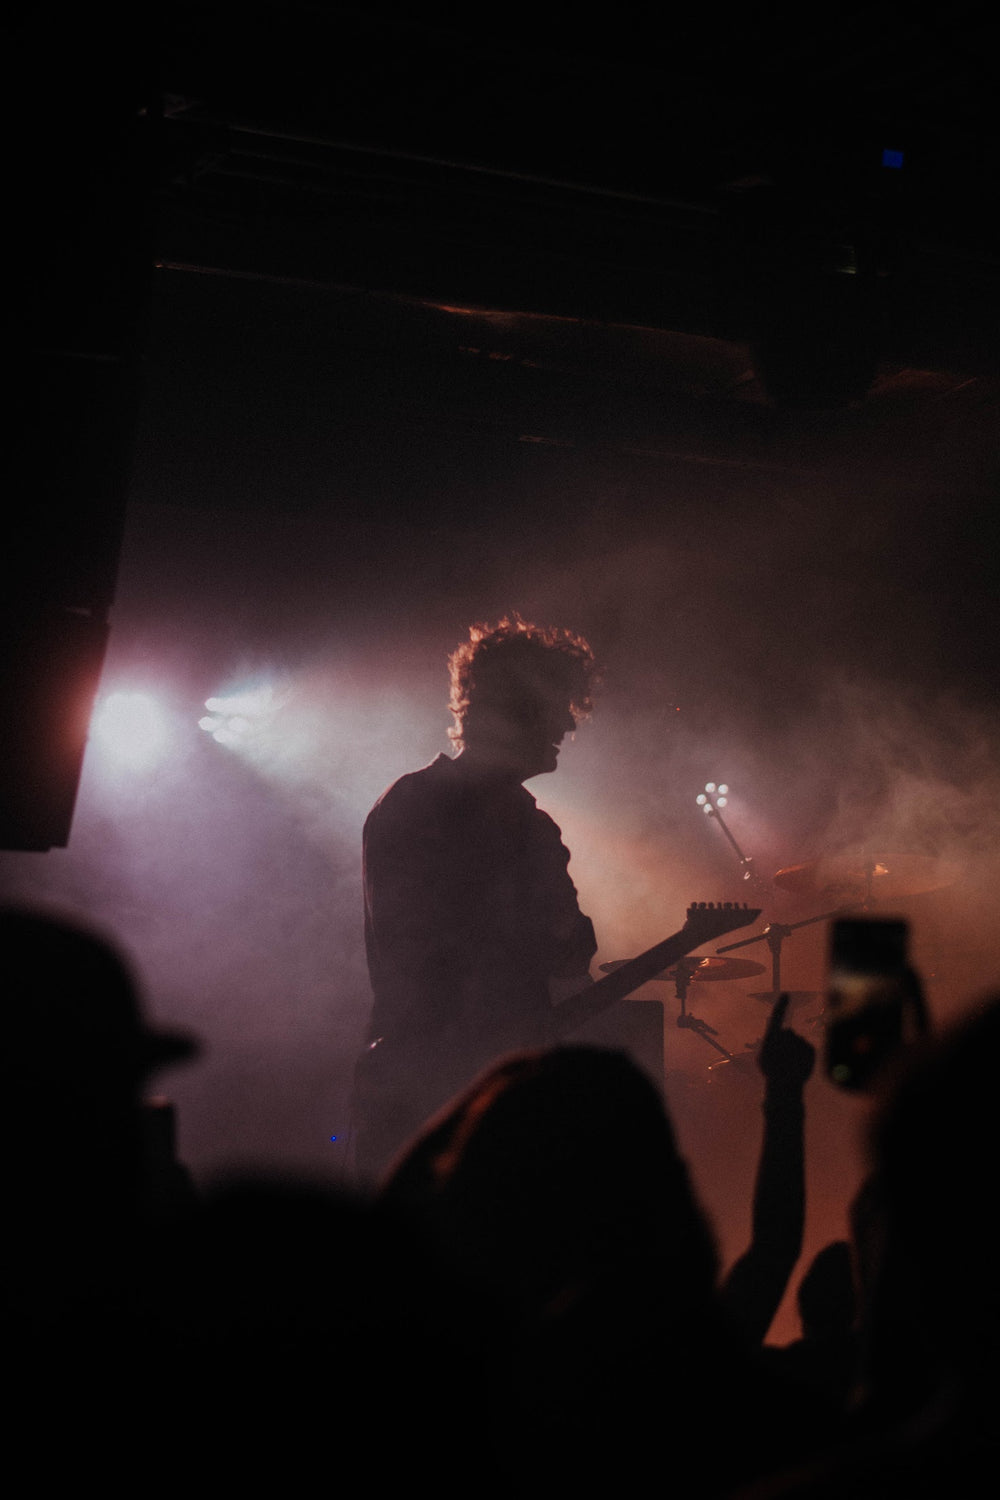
column 394, row 1096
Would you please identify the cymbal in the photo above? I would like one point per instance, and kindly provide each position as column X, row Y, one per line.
column 796, row 998
column 699, row 968
column 851, row 879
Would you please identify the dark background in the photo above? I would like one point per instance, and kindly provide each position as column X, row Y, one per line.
column 338, row 328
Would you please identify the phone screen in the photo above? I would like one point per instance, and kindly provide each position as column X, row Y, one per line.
column 869, row 945
column 869, row 979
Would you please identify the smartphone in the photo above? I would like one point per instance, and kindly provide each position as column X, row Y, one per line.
column 869, row 993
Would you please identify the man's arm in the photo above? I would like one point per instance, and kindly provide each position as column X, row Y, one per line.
column 757, row 1282
column 567, row 933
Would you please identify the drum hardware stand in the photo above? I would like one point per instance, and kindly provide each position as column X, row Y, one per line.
column 682, row 978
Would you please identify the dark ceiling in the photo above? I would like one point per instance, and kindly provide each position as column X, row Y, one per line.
column 726, row 181
column 670, row 232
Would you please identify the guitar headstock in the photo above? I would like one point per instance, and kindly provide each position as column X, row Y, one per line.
column 713, row 919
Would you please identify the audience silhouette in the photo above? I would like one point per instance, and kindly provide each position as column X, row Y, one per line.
column 555, row 1181
column 930, row 1295
column 89, row 1181
column 921, row 1421
column 157, row 1332
column 825, row 1358
column 87, row 1157
column 532, row 1297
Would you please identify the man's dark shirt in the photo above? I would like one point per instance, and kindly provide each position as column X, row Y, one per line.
column 469, row 911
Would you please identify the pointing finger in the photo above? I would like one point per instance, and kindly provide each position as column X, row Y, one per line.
column 777, row 1017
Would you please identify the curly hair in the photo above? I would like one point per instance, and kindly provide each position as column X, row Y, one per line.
column 504, row 666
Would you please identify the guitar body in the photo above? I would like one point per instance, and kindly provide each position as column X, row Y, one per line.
column 399, row 1086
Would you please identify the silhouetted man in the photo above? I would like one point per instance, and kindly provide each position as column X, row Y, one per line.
column 471, row 919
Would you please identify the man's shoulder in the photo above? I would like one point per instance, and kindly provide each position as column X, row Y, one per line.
column 439, row 789
column 414, row 789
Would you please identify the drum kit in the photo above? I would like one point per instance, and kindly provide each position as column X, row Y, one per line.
column 856, row 882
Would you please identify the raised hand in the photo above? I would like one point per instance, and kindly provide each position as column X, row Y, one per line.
column 785, row 1058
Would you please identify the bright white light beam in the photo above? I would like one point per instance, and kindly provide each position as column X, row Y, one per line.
column 131, row 728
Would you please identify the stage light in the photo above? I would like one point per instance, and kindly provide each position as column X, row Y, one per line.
column 131, row 728
column 250, row 703
column 713, row 797
column 237, row 720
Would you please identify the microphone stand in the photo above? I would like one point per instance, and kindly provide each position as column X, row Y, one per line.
column 746, row 860
column 774, row 935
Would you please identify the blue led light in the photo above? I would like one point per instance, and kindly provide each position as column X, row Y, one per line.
column 892, row 158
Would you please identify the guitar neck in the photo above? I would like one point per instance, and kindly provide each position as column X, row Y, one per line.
column 702, row 926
